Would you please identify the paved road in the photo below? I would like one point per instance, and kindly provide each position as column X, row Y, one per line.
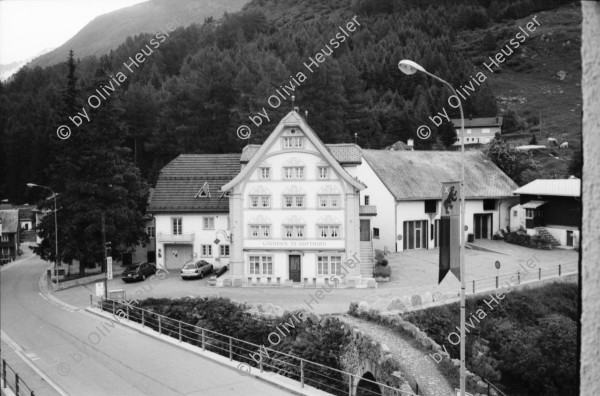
column 123, row 362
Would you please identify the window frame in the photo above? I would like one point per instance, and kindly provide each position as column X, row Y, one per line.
column 177, row 225
column 261, row 228
column 260, row 201
column 331, row 229
column 260, row 264
column 328, row 200
column 293, row 172
column 261, row 173
column 151, row 231
column 224, row 250
column 327, row 170
column 205, row 219
column 293, row 201
column 298, row 231
column 206, row 250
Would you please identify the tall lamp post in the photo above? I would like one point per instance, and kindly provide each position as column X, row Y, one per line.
column 31, row 185
column 409, row 67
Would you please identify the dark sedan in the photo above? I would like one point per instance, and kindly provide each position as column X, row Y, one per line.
column 138, row 272
column 196, row 270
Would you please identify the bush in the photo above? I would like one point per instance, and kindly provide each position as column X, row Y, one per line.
column 383, row 271
column 382, row 262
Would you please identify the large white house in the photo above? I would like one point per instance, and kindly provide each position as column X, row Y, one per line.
column 405, row 188
column 294, row 209
column 190, row 210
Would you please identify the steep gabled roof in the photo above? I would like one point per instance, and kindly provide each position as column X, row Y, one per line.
column 295, row 119
column 181, row 180
column 10, row 220
column 554, row 187
column 417, row 175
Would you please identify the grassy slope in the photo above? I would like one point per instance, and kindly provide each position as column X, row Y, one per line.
column 533, row 85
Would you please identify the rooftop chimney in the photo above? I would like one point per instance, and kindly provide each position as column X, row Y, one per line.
column 410, row 142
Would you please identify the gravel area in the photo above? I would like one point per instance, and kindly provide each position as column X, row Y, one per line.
column 413, row 360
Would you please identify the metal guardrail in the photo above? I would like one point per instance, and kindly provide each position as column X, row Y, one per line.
column 11, row 379
column 304, row 371
column 520, row 277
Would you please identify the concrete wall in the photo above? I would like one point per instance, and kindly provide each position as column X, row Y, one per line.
column 590, row 327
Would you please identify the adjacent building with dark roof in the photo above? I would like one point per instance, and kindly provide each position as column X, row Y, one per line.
column 405, row 187
column 478, row 130
column 190, row 211
column 550, row 208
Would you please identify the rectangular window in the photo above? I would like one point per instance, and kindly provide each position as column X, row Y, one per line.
column 529, row 213
column 208, row 223
column 293, row 201
column 256, row 263
column 264, row 173
column 367, row 200
column 224, row 250
column 489, row 204
column 260, row 231
column 323, row 172
column 267, row 265
column 260, row 201
column 336, row 265
column 206, row 251
column 293, row 142
column 265, row 201
column 328, row 231
column 514, row 213
column 431, row 206
column 151, row 231
column 177, row 226
column 323, row 265
column 296, row 172
column 328, row 201
column 293, row 231
column 376, row 233
column 4, row 238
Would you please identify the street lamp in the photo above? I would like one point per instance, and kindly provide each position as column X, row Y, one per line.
column 409, row 67
column 31, row 185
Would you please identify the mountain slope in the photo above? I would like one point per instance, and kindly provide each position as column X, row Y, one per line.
column 108, row 31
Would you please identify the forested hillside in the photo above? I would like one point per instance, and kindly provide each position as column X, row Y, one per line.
column 194, row 90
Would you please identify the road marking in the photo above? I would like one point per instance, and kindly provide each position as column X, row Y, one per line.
column 24, row 356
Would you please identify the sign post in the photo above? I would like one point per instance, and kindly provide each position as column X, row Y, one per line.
column 450, row 230
column 109, row 267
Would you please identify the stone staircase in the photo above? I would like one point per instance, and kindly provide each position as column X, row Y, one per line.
column 546, row 236
column 366, row 259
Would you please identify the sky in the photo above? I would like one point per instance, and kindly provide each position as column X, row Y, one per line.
column 27, row 27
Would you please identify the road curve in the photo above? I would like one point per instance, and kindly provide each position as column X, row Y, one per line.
column 124, row 362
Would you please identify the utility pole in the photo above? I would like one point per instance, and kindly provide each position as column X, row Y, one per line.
column 104, row 255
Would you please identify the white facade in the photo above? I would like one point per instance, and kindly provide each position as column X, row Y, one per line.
column 565, row 235
column 294, row 212
column 184, row 237
column 389, row 223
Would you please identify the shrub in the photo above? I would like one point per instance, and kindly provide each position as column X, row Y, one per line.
column 381, row 270
column 382, row 262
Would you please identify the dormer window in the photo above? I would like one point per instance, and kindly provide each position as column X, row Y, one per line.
column 292, row 142
column 204, row 191
column 225, row 194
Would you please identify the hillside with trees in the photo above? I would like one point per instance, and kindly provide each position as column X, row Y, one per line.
column 194, row 90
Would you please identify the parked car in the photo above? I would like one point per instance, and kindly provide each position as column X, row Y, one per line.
column 196, row 270
column 138, row 272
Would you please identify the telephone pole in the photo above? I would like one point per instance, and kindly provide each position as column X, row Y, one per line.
column 104, row 263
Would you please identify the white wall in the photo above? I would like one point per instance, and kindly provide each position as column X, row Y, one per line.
column 193, row 224
column 383, row 199
column 415, row 210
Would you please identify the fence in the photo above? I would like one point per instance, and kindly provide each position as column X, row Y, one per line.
column 11, row 379
column 266, row 359
column 516, row 278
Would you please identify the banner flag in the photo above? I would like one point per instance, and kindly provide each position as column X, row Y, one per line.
column 450, row 230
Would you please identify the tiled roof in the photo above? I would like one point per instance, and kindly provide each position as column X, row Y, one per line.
column 478, row 122
column 10, row 220
column 416, row 175
column 556, row 187
column 344, row 153
column 180, row 181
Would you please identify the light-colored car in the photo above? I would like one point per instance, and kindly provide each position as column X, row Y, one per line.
column 196, row 270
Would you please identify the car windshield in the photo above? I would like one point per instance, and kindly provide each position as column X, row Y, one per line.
column 189, row 266
column 133, row 267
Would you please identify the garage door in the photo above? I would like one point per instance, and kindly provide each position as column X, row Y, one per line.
column 177, row 255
